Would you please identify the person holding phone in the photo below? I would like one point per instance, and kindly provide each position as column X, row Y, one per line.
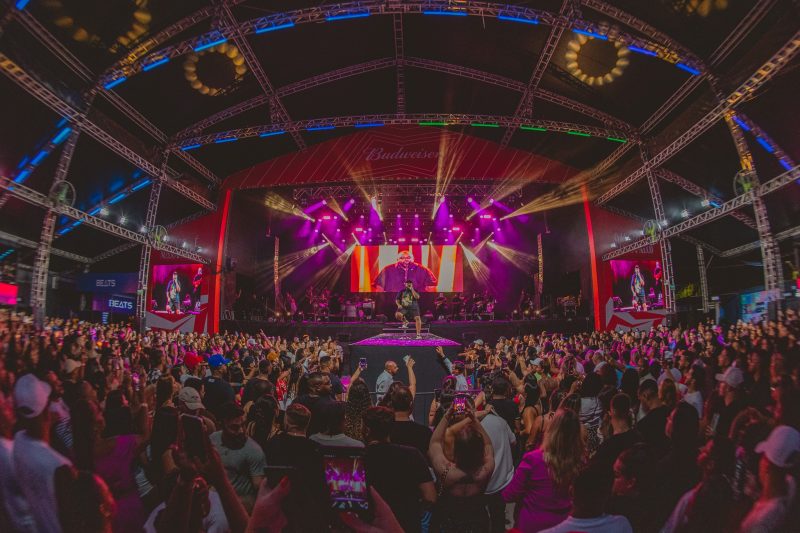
column 407, row 301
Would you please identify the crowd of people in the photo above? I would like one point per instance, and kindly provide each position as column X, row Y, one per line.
column 103, row 428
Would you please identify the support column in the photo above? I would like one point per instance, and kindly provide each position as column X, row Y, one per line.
column 701, row 265
column 770, row 252
column 540, row 273
column 276, row 282
column 666, row 247
column 147, row 249
column 41, row 263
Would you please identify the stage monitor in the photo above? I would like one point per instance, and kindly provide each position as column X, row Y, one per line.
column 432, row 268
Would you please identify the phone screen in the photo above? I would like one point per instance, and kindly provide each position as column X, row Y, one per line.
column 193, row 436
column 346, row 477
column 460, row 405
column 362, row 363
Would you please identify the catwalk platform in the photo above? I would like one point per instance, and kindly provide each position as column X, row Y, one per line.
column 408, row 338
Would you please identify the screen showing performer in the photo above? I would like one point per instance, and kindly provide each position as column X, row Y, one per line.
column 431, row 268
column 637, row 284
column 176, row 288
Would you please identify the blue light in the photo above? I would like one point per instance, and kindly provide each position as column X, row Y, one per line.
column 226, row 140
column 211, row 44
column 509, row 18
column 94, row 211
column 114, row 83
column 345, row 16
column 643, row 51
column 24, row 162
column 190, row 147
column 266, row 29
column 22, row 176
column 65, row 230
column 62, row 135
column 445, row 13
column 741, row 123
column 320, row 128
column 368, row 124
column 117, row 198
column 140, row 185
column 590, row 34
column 785, row 164
column 39, row 157
column 714, row 204
column 154, row 64
column 20, row 4
column 687, row 68
column 765, row 143
column 272, row 133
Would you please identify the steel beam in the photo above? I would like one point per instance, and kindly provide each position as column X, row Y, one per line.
column 525, row 104
column 147, row 249
column 324, row 12
column 738, row 202
column 399, row 56
column 433, row 119
column 36, row 198
column 26, row 243
column 701, row 265
column 781, row 58
column 755, row 245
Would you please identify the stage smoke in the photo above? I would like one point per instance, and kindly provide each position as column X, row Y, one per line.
column 521, row 260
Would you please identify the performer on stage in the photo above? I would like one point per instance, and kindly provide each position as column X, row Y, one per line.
column 196, row 281
column 174, row 294
column 393, row 277
column 658, row 275
column 637, row 288
column 408, row 304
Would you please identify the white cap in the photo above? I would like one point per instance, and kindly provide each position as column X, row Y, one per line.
column 538, row 361
column 31, row 396
column 782, row 447
column 70, row 365
column 733, row 377
column 323, row 353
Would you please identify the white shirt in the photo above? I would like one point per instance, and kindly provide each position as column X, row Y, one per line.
column 770, row 516
column 382, row 384
column 695, row 399
column 36, row 462
column 214, row 522
column 607, row 523
column 334, row 441
column 502, row 440
column 15, row 506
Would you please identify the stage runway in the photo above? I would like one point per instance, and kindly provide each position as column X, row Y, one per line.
column 406, row 339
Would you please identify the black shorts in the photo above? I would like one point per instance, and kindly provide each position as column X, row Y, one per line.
column 411, row 311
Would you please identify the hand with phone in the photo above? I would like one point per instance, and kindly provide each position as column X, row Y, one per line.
column 362, row 363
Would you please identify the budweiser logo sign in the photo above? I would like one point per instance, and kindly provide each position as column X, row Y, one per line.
column 381, row 154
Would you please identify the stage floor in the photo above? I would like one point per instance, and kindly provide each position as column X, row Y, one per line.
column 406, row 339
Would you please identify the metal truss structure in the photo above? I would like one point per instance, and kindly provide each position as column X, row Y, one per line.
column 755, row 245
column 525, row 104
column 85, row 125
column 26, row 243
column 395, row 190
column 746, row 89
column 433, row 119
column 712, row 214
column 36, row 198
column 664, row 47
column 701, row 266
column 144, row 258
column 399, row 56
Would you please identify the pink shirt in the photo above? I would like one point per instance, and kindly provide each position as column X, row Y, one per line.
column 542, row 504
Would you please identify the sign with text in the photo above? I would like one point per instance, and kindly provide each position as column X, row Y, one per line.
column 114, row 303
column 119, row 283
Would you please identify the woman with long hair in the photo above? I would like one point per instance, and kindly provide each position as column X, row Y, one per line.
column 358, row 401
column 540, row 485
column 532, row 414
column 110, row 458
column 261, row 420
column 591, row 410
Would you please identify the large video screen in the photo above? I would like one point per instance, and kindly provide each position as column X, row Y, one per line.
column 177, row 288
column 648, row 282
column 432, row 268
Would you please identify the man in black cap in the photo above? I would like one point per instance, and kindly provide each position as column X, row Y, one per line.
column 408, row 305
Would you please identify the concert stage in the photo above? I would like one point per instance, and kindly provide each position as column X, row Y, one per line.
column 463, row 332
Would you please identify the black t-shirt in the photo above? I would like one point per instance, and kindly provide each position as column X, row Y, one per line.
column 652, row 427
column 396, row 472
column 336, row 384
column 408, row 433
column 406, row 298
column 318, row 405
column 507, row 410
column 217, row 393
column 610, row 449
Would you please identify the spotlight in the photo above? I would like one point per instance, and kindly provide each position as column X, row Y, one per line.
column 613, row 245
column 416, row 215
column 143, row 229
column 685, row 213
column 123, row 219
column 664, row 223
column 705, row 202
column 104, row 211
column 469, row 200
column 491, row 200
column 183, row 244
column 324, row 202
column 627, row 238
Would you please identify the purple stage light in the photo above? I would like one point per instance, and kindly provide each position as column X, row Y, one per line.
column 362, row 216
column 314, row 207
column 502, row 206
column 398, row 215
column 359, row 230
column 416, row 215
column 491, row 200
column 324, row 202
column 469, row 200
column 456, row 229
column 337, row 230
column 451, row 216
column 416, row 229
column 400, row 229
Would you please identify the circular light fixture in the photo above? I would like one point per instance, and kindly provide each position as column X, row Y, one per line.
column 228, row 51
column 594, row 77
column 88, row 22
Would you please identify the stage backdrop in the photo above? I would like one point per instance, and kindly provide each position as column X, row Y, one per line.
column 444, row 262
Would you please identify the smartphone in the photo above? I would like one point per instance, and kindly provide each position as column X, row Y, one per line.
column 362, row 363
column 136, row 380
column 503, row 363
column 193, row 436
column 460, row 405
column 406, row 358
column 714, row 422
column 274, row 474
column 346, row 479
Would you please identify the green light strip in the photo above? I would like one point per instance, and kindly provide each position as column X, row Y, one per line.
column 578, row 133
column 532, row 128
column 617, row 140
column 432, row 123
column 484, row 125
